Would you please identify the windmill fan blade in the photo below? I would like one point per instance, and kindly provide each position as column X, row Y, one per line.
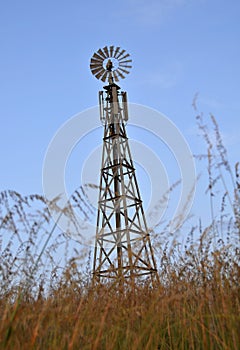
column 127, row 61
column 94, row 67
column 94, row 59
column 120, row 54
column 104, row 77
column 124, row 65
column 101, row 53
column 123, row 70
column 111, row 50
column 105, row 49
column 99, row 75
column 120, row 74
column 116, row 51
column 115, row 76
column 96, row 70
column 97, row 62
column 97, row 57
column 127, row 55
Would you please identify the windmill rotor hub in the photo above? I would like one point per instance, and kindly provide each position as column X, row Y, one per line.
column 110, row 64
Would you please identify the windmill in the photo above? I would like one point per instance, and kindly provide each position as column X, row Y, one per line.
column 123, row 249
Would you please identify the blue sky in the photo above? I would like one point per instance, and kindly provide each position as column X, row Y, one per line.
column 178, row 47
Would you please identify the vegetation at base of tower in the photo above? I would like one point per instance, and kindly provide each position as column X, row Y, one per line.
column 47, row 300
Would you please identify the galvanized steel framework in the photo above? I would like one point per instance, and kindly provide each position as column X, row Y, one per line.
column 122, row 248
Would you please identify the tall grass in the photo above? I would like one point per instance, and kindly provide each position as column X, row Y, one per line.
column 48, row 301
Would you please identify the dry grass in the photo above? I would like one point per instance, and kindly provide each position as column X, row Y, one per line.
column 49, row 303
column 197, row 307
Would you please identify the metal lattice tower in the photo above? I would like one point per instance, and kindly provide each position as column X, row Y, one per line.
column 122, row 248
